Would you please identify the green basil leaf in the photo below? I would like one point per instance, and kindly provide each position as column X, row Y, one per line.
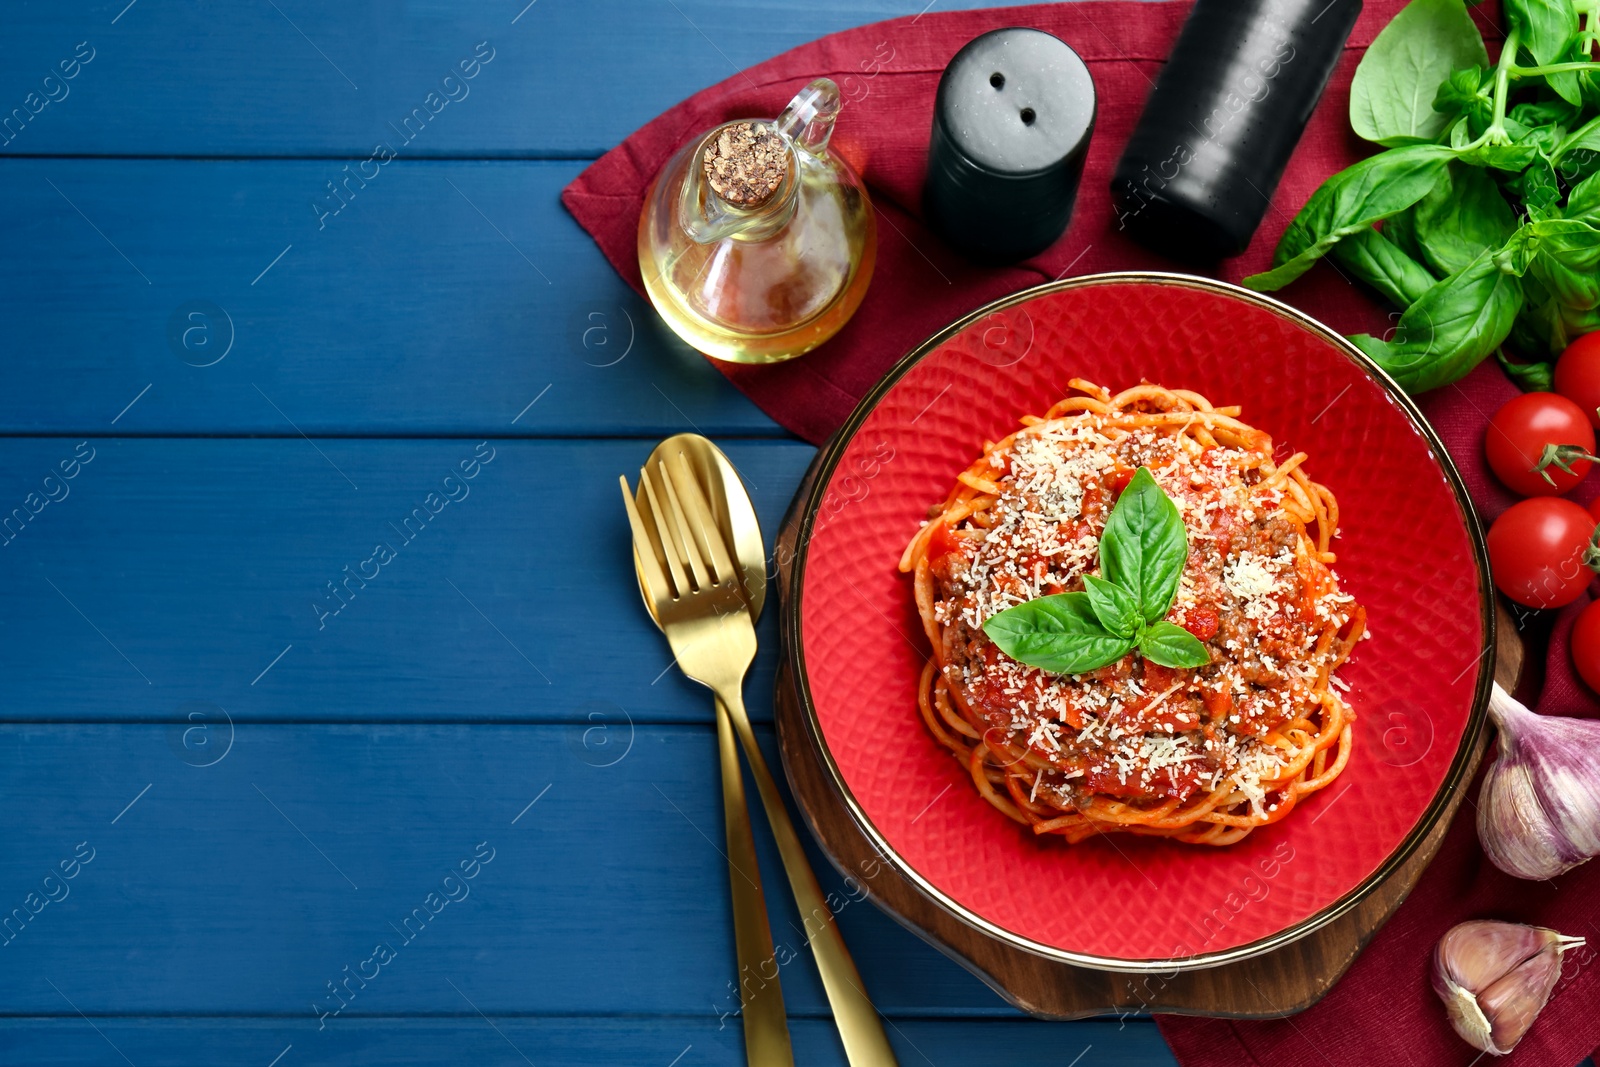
column 1391, row 97
column 1566, row 261
column 1517, row 254
column 1350, row 201
column 1462, row 217
column 1548, row 26
column 1540, row 190
column 1144, row 546
column 1586, row 136
column 1577, row 321
column 1579, row 164
column 1451, row 329
column 1508, row 157
column 1538, row 332
column 1401, row 230
column 1467, row 93
column 1584, row 200
column 1058, row 633
column 1577, row 159
column 1173, row 646
column 1530, row 377
column 1374, row 259
column 1115, row 607
column 1545, row 113
column 1566, row 85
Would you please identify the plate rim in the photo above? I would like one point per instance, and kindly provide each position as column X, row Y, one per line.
column 790, row 617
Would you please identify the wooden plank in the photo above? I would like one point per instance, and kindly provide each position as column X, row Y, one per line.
column 446, row 298
column 196, row 569
column 296, row 77
column 243, row 878
column 514, row 1041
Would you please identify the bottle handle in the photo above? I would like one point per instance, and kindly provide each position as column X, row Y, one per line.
column 809, row 118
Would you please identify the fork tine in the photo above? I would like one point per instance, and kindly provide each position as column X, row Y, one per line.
column 655, row 578
column 667, row 535
column 700, row 518
column 686, row 542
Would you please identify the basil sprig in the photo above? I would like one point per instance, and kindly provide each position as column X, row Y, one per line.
column 1481, row 223
column 1142, row 554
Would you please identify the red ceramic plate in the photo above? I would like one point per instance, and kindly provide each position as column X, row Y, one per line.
column 1409, row 550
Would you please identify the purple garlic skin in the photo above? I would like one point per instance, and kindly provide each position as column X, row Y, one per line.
column 1539, row 811
column 1495, row 978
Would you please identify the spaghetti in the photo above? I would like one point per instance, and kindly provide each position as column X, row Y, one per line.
column 1201, row 755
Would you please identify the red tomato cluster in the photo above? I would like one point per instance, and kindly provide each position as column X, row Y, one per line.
column 1545, row 550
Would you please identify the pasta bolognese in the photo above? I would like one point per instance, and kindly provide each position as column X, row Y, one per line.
column 1198, row 754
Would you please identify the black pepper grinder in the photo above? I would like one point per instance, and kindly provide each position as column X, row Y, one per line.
column 1011, row 128
column 1200, row 169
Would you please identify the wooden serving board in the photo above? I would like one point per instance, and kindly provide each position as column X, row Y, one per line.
column 1279, row 983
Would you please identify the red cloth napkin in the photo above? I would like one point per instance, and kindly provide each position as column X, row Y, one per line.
column 1383, row 1012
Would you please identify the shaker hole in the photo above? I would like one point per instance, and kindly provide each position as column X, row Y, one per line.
column 997, row 80
column 1028, row 116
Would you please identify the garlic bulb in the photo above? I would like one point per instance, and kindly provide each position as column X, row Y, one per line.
column 1495, row 978
column 1539, row 812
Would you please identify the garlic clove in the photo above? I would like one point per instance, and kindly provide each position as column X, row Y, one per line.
column 1512, row 1003
column 1539, row 810
column 1495, row 978
column 1476, row 954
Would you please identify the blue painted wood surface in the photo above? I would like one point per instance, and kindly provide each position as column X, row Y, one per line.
column 216, row 401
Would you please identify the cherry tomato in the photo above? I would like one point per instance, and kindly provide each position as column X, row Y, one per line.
column 1539, row 444
column 1578, row 375
column 1542, row 552
column 1586, row 645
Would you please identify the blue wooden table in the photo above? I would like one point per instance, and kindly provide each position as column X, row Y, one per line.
column 240, row 754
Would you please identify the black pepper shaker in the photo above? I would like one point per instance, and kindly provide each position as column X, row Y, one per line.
column 1226, row 112
column 1011, row 128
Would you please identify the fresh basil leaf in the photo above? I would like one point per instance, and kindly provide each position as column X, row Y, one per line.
column 1577, row 157
column 1462, row 217
column 1451, row 329
column 1144, row 546
column 1566, row 84
column 1539, row 332
column 1349, row 202
column 1374, row 259
column 1173, row 646
column 1577, row 322
column 1115, row 607
column 1058, row 633
column 1545, row 113
column 1579, row 164
column 1584, row 200
column 1467, row 93
column 1391, row 97
column 1540, row 190
column 1585, row 136
column 1509, row 157
column 1530, row 377
column 1566, row 261
column 1548, row 26
column 1545, row 138
column 1401, row 230
column 1517, row 254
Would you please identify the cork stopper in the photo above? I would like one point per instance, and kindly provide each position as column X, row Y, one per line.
column 746, row 164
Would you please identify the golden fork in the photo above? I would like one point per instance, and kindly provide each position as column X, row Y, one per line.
column 707, row 623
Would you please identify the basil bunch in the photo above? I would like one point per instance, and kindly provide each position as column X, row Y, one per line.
column 1481, row 222
column 1142, row 554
